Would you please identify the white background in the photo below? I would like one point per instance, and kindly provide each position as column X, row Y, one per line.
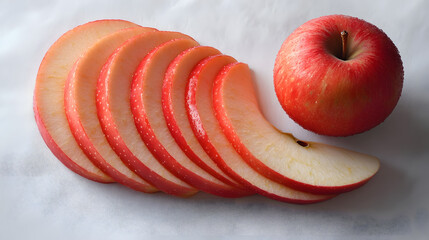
column 42, row 199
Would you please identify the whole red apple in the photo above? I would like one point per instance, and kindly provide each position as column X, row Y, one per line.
column 338, row 75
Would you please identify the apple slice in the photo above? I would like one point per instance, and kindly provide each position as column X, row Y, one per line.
column 49, row 94
column 174, row 108
column 200, row 110
column 116, row 118
column 307, row 166
column 146, row 106
column 81, row 110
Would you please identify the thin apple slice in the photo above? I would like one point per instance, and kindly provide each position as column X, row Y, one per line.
column 49, row 94
column 307, row 166
column 146, row 106
column 80, row 105
column 174, row 108
column 200, row 110
column 116, row 118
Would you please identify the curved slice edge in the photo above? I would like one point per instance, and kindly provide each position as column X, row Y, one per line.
column 145, row 43
column 50, row 78
column 79, row 99
column 173, row 104
column 64, row 159
column 147, row 111
column 319, row 151
column 217, row 146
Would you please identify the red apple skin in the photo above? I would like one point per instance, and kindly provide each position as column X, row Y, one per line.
column 119, row 145
column 168, row 109
column 64, row 159
column 203, row 138
column 46, row 135
column 87, row 146
column 257, row 164
column 155, row 146
column 331, row 96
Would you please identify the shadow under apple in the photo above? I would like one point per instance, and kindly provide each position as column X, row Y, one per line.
column 404, row 134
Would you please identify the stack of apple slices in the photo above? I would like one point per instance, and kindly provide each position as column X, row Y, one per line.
column 154, row 110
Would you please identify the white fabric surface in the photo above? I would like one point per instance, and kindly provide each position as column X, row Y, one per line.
column 42, row 199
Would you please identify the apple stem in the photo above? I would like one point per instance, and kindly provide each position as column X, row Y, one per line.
column 344, row 35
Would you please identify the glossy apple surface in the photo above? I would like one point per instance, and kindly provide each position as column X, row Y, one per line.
column 333, row 95
column 116, row 118
column 146, row 105
column 200, row 109
column 49, row 94
column 306, row 166
column 174, row 108
column 81, row 109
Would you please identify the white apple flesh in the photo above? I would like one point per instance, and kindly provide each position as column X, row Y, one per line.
column 81, row 109
column 174, row 108
column 306, row 166
column 146, row 105
column 200, row 110
column 49, row 94
column 116, row 118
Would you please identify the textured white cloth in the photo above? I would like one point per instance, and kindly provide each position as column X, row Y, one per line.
column 42, row 199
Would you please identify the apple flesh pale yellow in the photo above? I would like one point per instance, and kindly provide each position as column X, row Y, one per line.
column 146, row 105
column 338, row 75
column 174, row 108
column 200, row 110
column 306, row 166
column 49, row 94
column 81, row 110
column 116, row 118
